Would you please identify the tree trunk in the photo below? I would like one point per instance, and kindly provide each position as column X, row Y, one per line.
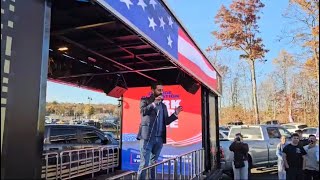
column 291, row 92
column 254, row 90
column 305, row 113
column 316, row 58
column 274, row 109
column 290, row 108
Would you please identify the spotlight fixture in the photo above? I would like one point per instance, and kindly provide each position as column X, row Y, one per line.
column 63, row 48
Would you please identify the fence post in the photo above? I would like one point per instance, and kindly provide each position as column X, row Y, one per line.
column 180, row 167
column 175, row 169
column 169, row 169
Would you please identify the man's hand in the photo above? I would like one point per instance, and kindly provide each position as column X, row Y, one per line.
column 237, row 140
column 178, row 110
column 158, row 99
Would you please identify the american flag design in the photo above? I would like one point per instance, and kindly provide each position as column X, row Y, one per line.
column 151, row 19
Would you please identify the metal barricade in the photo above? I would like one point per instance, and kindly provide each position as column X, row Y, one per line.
column 186, row 166
column 109, row 157
column 51, row 165
column 74, row 163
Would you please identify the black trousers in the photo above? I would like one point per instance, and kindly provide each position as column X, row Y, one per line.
column 294, row 174
column 311, row 175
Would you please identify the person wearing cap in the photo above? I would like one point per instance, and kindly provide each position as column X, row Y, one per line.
column 240, row 163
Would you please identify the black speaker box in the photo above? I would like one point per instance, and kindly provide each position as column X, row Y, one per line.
column 189, row 84
column 114, row 89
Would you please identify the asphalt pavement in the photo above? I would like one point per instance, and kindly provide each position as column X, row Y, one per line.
column 260, row 174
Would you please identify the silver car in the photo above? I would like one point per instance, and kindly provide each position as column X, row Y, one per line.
column 292, row 127
column 308, row 131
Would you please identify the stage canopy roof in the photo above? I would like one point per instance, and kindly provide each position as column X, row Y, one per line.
column 137, row 42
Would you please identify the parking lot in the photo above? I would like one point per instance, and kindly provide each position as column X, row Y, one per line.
column 260, row 173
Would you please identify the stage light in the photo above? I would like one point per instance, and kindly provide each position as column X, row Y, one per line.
column 63, row 48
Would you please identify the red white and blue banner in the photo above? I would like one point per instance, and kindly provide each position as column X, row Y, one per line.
column 183, row 135
column 153, row 20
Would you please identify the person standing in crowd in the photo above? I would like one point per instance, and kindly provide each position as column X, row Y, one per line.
column 311, row 171
column 152, row 130
column 281, row 167
column 302, row 141
column 294, row 159
column 240, row 163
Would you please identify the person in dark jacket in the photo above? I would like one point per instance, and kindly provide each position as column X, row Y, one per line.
column 152, row 131
column 302, row 141
column 240, row 161
column 294, row 156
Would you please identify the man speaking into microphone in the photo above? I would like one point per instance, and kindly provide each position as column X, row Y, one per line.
column 152, row 131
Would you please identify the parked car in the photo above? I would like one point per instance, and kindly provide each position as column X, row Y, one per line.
column 47, row 120
column 308, row 131
column 292, row 127
column 235, row 123
column 222, row 135
column 112, row 137
column 226, row 133
column 271, row 122
column 92, row 123
column 224, row 130
column 262, row 141
column 67, row 137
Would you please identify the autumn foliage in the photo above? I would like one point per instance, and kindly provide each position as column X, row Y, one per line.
column 238, row 30
column 306, row 14
column 77, row 109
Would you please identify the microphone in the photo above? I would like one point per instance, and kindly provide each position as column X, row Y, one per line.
column 161, row 98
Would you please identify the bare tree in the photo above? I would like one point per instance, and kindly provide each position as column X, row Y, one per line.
column 284, row 65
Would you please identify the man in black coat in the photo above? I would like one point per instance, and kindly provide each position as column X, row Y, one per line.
column 152, row 131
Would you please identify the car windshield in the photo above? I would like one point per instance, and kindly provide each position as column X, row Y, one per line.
column 289, row 126
column 223, row 128
column 302, row 126
column 226, row 133
column 247, row 132
column 313, row 131
column 284, row 132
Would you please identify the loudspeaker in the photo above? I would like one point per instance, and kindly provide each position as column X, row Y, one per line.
column 188, row 83
column 116, row 91
column 114, row 88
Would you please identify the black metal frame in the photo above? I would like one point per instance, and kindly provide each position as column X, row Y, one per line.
column 206, row 143
column 205, row 128
column 26, row 93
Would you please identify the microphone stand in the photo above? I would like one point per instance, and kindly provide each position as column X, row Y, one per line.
column 153, row 127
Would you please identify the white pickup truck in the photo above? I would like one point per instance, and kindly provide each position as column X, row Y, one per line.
column 262, row 141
